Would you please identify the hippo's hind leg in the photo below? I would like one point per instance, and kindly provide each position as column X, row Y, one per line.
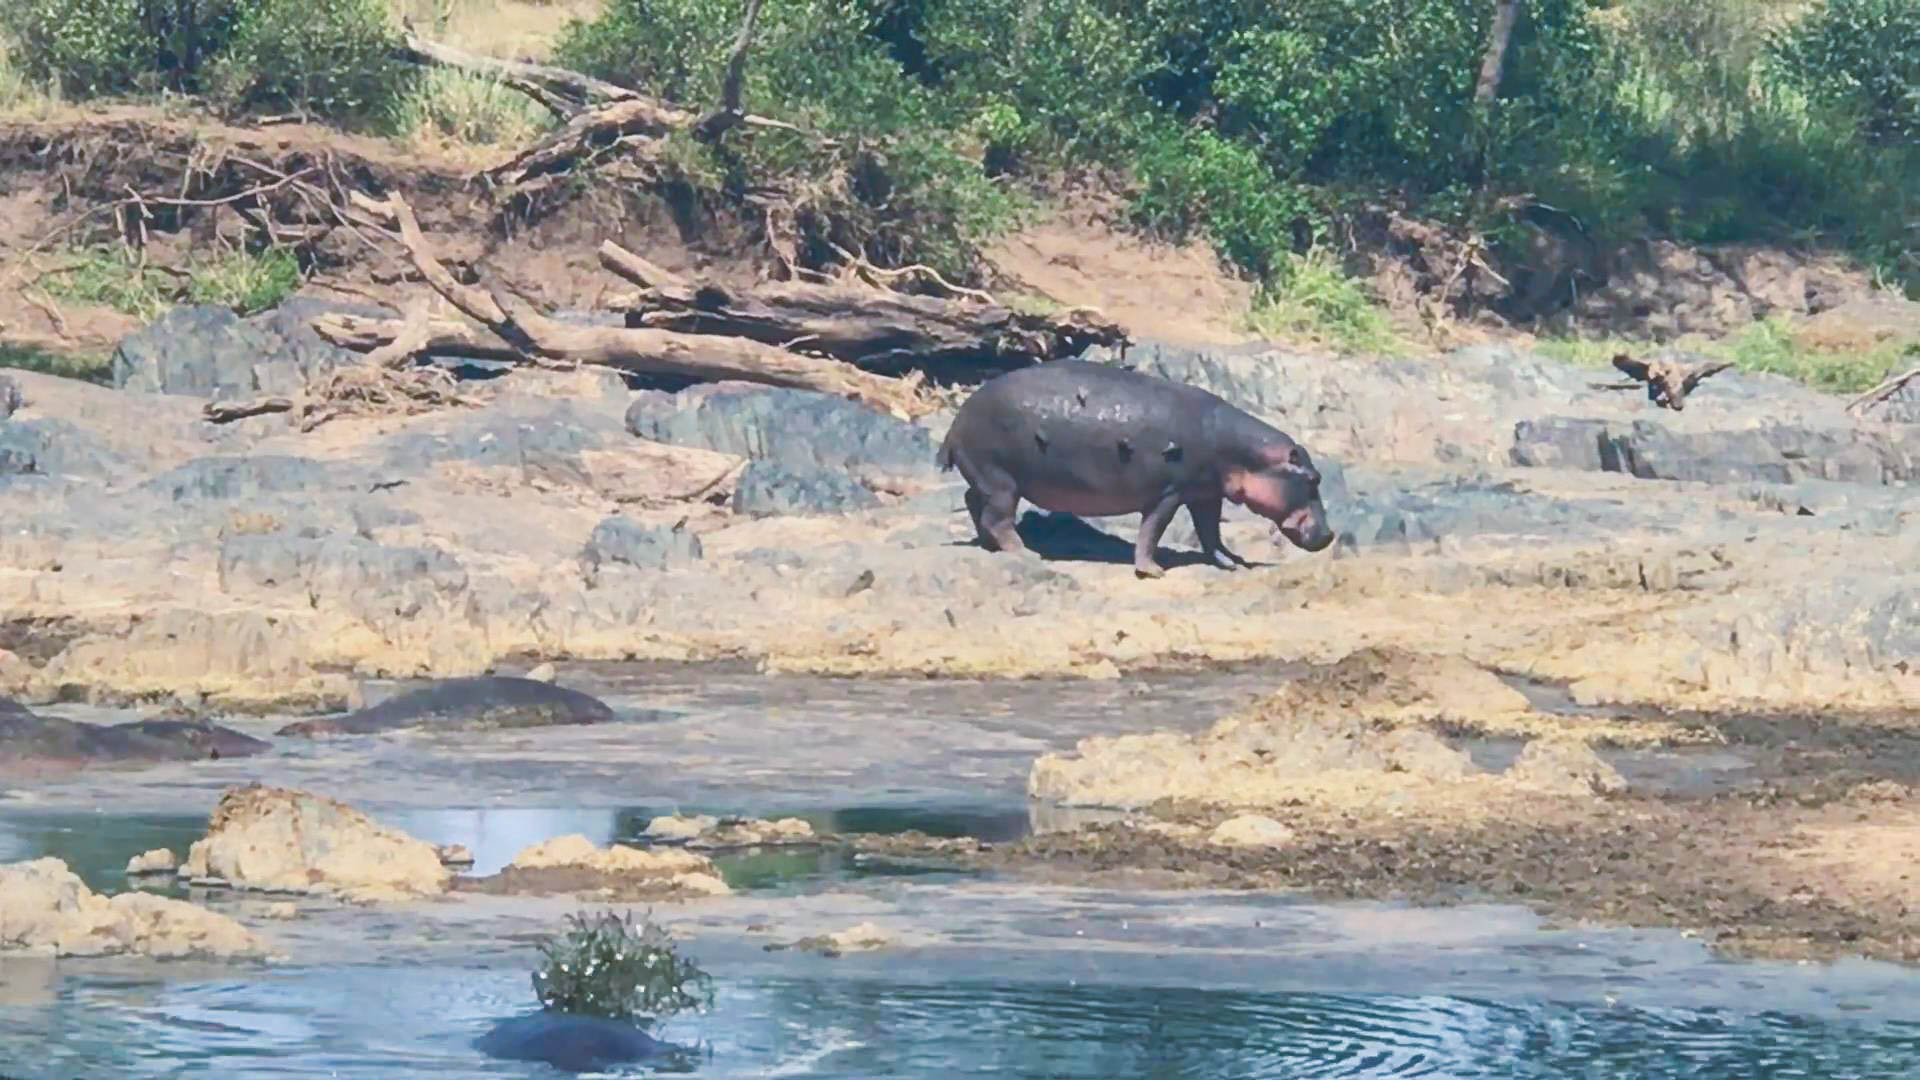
column 993, row 501
column 1206, row 526
column 1153, row 525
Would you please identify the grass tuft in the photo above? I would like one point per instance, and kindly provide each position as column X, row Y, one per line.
column 110, row 277
column 1310, row 298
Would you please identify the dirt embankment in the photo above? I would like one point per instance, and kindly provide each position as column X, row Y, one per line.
column 182, row 186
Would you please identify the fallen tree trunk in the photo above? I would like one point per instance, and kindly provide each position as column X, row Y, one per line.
column 444, row 337
column 877, row 330
column 648, row 351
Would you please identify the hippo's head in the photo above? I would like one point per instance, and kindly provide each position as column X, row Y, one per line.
column 1284, row 487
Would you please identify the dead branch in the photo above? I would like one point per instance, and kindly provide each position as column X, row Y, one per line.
column 226, row 412
column 1884, row 391
column 875, row 329
column 563, row 92
column 639, row 349
column 444, row 337
column 413, row 336
column 589, row 133
column 730, row 113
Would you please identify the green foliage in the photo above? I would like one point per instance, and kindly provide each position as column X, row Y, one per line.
column 90, row 368
column 1770, row 346
column 1860, row 57
column 87, row 46
column 247, row 283
column 889, row 183
column 112, row 277
column 605, row 965
column 331, row 58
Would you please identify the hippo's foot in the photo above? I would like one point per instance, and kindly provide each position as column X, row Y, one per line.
column 1226, row 560
column 1148, row 570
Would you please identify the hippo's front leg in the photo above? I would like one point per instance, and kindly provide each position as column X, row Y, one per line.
column 1153, row 524
column 1206, row 526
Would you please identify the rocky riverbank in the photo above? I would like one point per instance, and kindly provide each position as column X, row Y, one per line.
column 1757, row 549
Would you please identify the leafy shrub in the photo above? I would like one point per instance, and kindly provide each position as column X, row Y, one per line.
column 1860, row 56
column 102, row 46
column 331, row 58
column 606, row 966
column 87, row 46
column 1192, row 179
column 890, row 184
column 1039, row 81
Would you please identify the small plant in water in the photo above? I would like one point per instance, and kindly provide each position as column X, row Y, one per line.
column 606, row 965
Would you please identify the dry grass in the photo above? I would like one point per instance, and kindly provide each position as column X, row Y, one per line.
column 520, row 29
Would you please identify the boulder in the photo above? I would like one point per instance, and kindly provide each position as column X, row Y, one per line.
column 281, row 840
column 248, row 477
column 621, row 541
column 808, row 452
column 207, row 351
column 50, row 446
column 769, row 489
column 11, row 399
column 45, row 906
column 479, row 702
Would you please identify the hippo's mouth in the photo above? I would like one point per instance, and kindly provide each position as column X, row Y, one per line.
column 1306, row 527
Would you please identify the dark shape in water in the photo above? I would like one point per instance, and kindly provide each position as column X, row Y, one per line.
column 26, row 736
column 570, row 1042
column 481, row 701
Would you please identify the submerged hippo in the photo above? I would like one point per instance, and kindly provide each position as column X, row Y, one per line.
column 481, row 701
column 27, row 737
column 1095, row 440
column 569, row 1042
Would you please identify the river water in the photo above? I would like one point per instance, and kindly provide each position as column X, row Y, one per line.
column 987, row 977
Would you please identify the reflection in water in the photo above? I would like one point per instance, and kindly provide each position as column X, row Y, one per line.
column 421, row 1021
column 496, row 834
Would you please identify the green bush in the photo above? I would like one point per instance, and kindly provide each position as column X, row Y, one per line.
column 330, row 58
column 888, row 180
column 94, row 47
column 606, row 966
column 86, row 46
column 1862, row 57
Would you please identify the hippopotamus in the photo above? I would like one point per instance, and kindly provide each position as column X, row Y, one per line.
column 470, row 703
column 1094, row 440
column 27, row 738
column 571, row 1042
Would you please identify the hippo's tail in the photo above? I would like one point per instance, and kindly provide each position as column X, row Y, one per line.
column 945, row 457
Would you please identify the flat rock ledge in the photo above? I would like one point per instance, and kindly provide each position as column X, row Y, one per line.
column 573, row 865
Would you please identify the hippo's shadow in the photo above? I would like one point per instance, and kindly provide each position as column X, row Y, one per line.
column 1056, row 536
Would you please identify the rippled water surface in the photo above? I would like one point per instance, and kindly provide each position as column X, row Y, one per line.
column 987, row 978
column 372, row 1022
